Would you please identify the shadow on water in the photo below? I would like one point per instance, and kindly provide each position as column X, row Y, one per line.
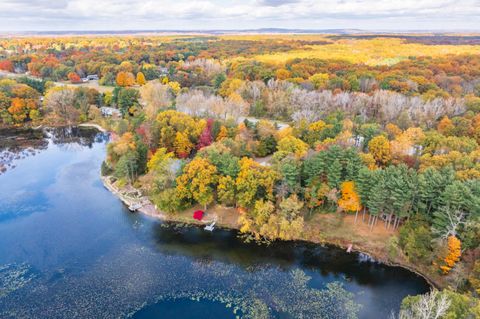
column 226, row 246
column 378, row 287
column 185, row 308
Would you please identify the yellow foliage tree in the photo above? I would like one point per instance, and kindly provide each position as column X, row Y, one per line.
column 368, row 160
column 126, row 66
column 158, row 159
column 291, row 144
column 183, row 146
column 174, row 86
column 226, row 190
column 170, row 122
column 379, row 147
column 230, row 86
column 317, row 126
column 404, row 142
column 319, row 80
column 222, row 134
column 141, row 78
column 251, row 178
column 198, row 181
column 120, row 147
column 284, row 132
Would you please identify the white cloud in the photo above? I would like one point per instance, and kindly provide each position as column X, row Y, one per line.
column 238, row 14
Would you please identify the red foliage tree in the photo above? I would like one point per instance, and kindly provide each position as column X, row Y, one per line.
column 6, row 65
column 206, row 138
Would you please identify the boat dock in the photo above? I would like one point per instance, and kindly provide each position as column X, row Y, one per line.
column 133, row 199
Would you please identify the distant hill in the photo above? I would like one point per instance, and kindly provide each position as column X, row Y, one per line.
column 233, row 31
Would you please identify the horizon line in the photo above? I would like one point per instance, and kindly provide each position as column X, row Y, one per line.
column 265, row 30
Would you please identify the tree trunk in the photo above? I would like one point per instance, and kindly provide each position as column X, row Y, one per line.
column 389, row 219
column 356, row 215
column 373, row 223
column 398, row 223
column 363, row 217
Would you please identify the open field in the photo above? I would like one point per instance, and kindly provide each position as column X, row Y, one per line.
column 378, row 51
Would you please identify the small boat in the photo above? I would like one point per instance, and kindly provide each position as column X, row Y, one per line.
column 210, row 227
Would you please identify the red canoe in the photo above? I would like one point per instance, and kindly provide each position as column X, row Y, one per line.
column 198, row 215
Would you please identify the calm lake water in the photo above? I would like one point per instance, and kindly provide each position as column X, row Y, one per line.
column 70, row 249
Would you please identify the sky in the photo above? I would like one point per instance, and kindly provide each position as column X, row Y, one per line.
column 399, row 15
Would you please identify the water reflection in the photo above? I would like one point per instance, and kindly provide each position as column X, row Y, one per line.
column 18, row 144
column 75, row 136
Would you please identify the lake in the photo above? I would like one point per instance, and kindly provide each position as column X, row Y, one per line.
column 70, row 249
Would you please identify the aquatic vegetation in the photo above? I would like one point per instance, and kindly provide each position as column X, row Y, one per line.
column 296, row 300
column 257, row 293
column 14, row 277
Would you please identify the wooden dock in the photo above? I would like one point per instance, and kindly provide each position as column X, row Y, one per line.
column 133, row 203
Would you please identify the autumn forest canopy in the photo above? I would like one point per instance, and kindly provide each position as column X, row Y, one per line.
column 282, row 129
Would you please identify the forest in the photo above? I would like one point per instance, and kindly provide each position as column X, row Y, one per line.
column 283, row 129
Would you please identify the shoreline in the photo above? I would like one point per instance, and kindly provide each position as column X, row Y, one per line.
column 151, row 211
column 29, row 126
column 93, row 125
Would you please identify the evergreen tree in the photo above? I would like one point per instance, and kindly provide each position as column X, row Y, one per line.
column 431, row 184
column 378, row 198
column 314, row 167
column 364, row 183
column 334, row 174
column 353, row 164
column 290, row 170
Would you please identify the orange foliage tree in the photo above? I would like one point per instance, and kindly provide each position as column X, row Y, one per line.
column 445, row 126
column 20, row 108
column 125, row 79
column 350, row 200
column 453, row 256
column 282, row 74
column 73, row 77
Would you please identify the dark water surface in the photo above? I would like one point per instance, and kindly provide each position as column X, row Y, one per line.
column 70, row 249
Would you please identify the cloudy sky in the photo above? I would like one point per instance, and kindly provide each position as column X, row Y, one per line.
column 57, row 15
